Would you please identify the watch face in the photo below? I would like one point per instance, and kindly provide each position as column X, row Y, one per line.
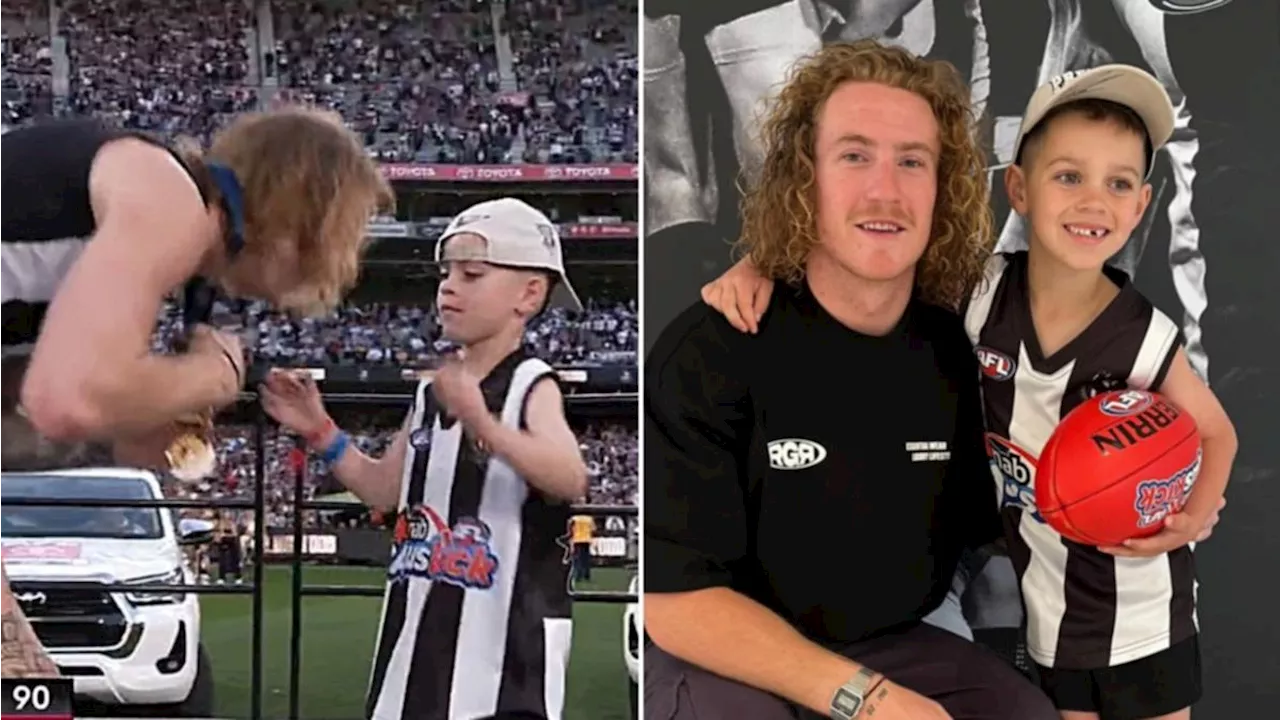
column 846, row 704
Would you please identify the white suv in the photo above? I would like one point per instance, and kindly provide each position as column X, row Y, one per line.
column 121, row 648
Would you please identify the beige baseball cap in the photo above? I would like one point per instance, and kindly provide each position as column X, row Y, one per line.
column 1122, row 84
column 516, row 235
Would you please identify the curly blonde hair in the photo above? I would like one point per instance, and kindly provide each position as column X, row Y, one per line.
column 779, row 226
column 310, row 189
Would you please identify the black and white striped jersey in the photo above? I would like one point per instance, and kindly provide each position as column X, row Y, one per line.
column 1085, row 609
column 476, row 617
column 47, row 219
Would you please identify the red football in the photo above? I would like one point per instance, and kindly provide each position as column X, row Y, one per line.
column 1116, row 466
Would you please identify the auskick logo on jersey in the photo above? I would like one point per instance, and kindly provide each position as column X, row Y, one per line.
column 1156, row 499
column 1015, row 473
column 795, row 454
column 1126, row 403
column 424, row 546
column 1131, row 430
column 995, row 364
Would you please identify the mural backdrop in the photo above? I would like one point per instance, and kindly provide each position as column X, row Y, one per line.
column 1206, row 252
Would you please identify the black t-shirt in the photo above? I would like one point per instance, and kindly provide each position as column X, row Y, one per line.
column 833, row 477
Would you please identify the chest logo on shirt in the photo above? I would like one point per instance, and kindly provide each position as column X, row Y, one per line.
column 795, row 454
column 995, row 364
column 424, row 546
column 1014, row 471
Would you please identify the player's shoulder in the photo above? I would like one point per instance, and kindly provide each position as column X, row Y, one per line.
column 698, row 338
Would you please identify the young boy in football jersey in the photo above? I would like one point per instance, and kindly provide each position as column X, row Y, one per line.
column 476, row 622
column 1112, row 630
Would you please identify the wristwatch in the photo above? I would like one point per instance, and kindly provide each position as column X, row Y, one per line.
column 849, row 699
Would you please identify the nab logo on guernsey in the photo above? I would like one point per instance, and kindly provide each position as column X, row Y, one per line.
column 1014, row 472
column 424, row 546
column 795, row 454
column 995, row 365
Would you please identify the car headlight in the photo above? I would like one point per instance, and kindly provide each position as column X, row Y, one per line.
column 173, row 577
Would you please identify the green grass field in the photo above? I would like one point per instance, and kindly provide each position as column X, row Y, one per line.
column 338, row 639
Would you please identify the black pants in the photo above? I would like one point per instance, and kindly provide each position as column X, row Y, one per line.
column 229, row 561
column 582, row 561
column 966, row 679
column 1150, row 687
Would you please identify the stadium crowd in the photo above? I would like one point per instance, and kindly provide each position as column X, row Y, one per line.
column 447, row 81
column 610, row 449
column 403, row 336
column 407, row 335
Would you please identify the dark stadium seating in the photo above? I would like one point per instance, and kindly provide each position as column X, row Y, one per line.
column 428, row 83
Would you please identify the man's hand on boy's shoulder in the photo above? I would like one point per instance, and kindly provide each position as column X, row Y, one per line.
column 1179, row 529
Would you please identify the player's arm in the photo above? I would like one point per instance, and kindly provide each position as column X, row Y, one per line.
column 1186, row 390
column 92, row 373
column 698, row 423
column 546, row 454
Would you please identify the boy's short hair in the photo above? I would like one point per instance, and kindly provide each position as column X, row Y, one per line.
column 1095, row 110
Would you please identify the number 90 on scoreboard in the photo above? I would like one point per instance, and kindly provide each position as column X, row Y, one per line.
column 37, row 699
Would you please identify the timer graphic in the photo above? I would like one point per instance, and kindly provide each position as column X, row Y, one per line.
column 36, row 699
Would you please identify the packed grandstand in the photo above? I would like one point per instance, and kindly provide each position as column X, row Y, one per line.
column 460, row 100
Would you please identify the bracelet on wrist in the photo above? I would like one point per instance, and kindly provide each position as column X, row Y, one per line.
column 336, row 448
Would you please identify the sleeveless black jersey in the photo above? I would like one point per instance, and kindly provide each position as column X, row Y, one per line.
column 47, row 218
column 476, row 617
column 1085, row 609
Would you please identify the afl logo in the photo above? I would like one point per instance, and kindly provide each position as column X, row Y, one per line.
column 795, row 454
column 995, row 365
column 1125, row 402
column 420, row 438
column 1187, row 7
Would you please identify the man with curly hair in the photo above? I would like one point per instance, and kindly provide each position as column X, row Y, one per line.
column 793, row 548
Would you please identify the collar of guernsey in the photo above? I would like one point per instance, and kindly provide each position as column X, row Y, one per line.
column 516, row 235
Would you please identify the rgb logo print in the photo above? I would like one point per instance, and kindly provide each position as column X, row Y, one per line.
column 795, row 454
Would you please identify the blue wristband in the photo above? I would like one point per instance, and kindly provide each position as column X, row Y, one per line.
column 334, row 452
